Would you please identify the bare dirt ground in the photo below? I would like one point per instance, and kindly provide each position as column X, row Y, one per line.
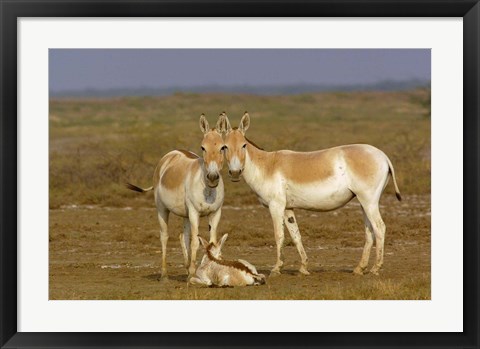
column 114, row 253
column 104, row 239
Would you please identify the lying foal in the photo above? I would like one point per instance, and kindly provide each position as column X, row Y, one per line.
column 215, row 271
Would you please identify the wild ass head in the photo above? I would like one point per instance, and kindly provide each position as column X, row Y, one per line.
column 212, row 149
column 236, row 146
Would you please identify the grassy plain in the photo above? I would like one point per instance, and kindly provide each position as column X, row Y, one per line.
column 104, row 241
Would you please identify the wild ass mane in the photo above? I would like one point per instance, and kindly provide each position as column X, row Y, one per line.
column 188, row 154
column 250, row 141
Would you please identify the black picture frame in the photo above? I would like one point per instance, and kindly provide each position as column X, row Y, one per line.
column 12, row 10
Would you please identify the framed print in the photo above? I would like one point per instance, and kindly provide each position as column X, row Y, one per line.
column 314, row 181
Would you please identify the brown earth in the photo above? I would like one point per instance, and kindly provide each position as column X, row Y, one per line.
column 114, row 253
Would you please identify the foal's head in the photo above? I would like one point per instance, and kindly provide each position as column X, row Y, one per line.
column 212, row 149
column 214, row 249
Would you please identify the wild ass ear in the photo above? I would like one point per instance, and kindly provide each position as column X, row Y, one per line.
column 226, row 123
column 244, row 123
column 222, row 241
column 203, row 242
column 221, row 126
column 204, row 124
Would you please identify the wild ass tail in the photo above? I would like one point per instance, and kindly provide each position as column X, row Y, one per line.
column 135, row 188
column 392, row 172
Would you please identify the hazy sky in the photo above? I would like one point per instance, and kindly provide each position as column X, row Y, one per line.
column 76, row 69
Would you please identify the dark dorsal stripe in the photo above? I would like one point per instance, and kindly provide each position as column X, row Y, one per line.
column 188, row 154
column 233, row 264
column 249, row 141
column 256, row 146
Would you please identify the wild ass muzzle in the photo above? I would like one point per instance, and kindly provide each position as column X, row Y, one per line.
column 322, row 180
column 215, row 271
column 190, row 187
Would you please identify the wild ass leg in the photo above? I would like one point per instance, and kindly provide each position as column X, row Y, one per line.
column 185, row 242
column 373, row 214
column 379, row 230
column 359, row 270
column 213, row 220
column 277, row 211
column 292, row 227
column 194, row 243
column 163, row 220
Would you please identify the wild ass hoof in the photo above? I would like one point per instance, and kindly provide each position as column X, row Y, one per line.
column 275, row 272
column 163, row 275
column 375, row 271
column 303, row 270
column 164, row 280
column 359, row 270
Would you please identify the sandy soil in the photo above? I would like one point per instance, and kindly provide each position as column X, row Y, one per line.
column 114, row 253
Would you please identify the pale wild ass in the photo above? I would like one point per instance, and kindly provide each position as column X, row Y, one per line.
column 190, row 187
column 322, row 180
column 215, row 271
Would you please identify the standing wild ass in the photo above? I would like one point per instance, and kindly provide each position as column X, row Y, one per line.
column 190, row 187
column 214, row 270
column 322, row 180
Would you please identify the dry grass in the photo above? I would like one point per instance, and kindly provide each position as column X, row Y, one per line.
column 104, row 239
column 97, row 145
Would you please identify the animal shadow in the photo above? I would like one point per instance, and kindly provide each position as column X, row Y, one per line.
column 158, row 277
column 346, row 270
column 179, row 278
column 266, row 272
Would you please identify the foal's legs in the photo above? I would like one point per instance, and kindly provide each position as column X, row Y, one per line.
column 292, row 227
column 185, row 242
column 200, row 282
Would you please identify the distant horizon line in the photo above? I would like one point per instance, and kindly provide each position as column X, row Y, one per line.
column 267, row 89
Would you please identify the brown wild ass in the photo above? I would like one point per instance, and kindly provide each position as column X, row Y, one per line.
column 215, row 271
column 322, row 180
column 190, row 187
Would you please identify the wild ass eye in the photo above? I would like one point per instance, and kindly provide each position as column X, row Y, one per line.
column 244, row 146
column 203, row 149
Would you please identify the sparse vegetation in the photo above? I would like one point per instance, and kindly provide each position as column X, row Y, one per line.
column 97, row 145
column 423, row 98
column 104, row 240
